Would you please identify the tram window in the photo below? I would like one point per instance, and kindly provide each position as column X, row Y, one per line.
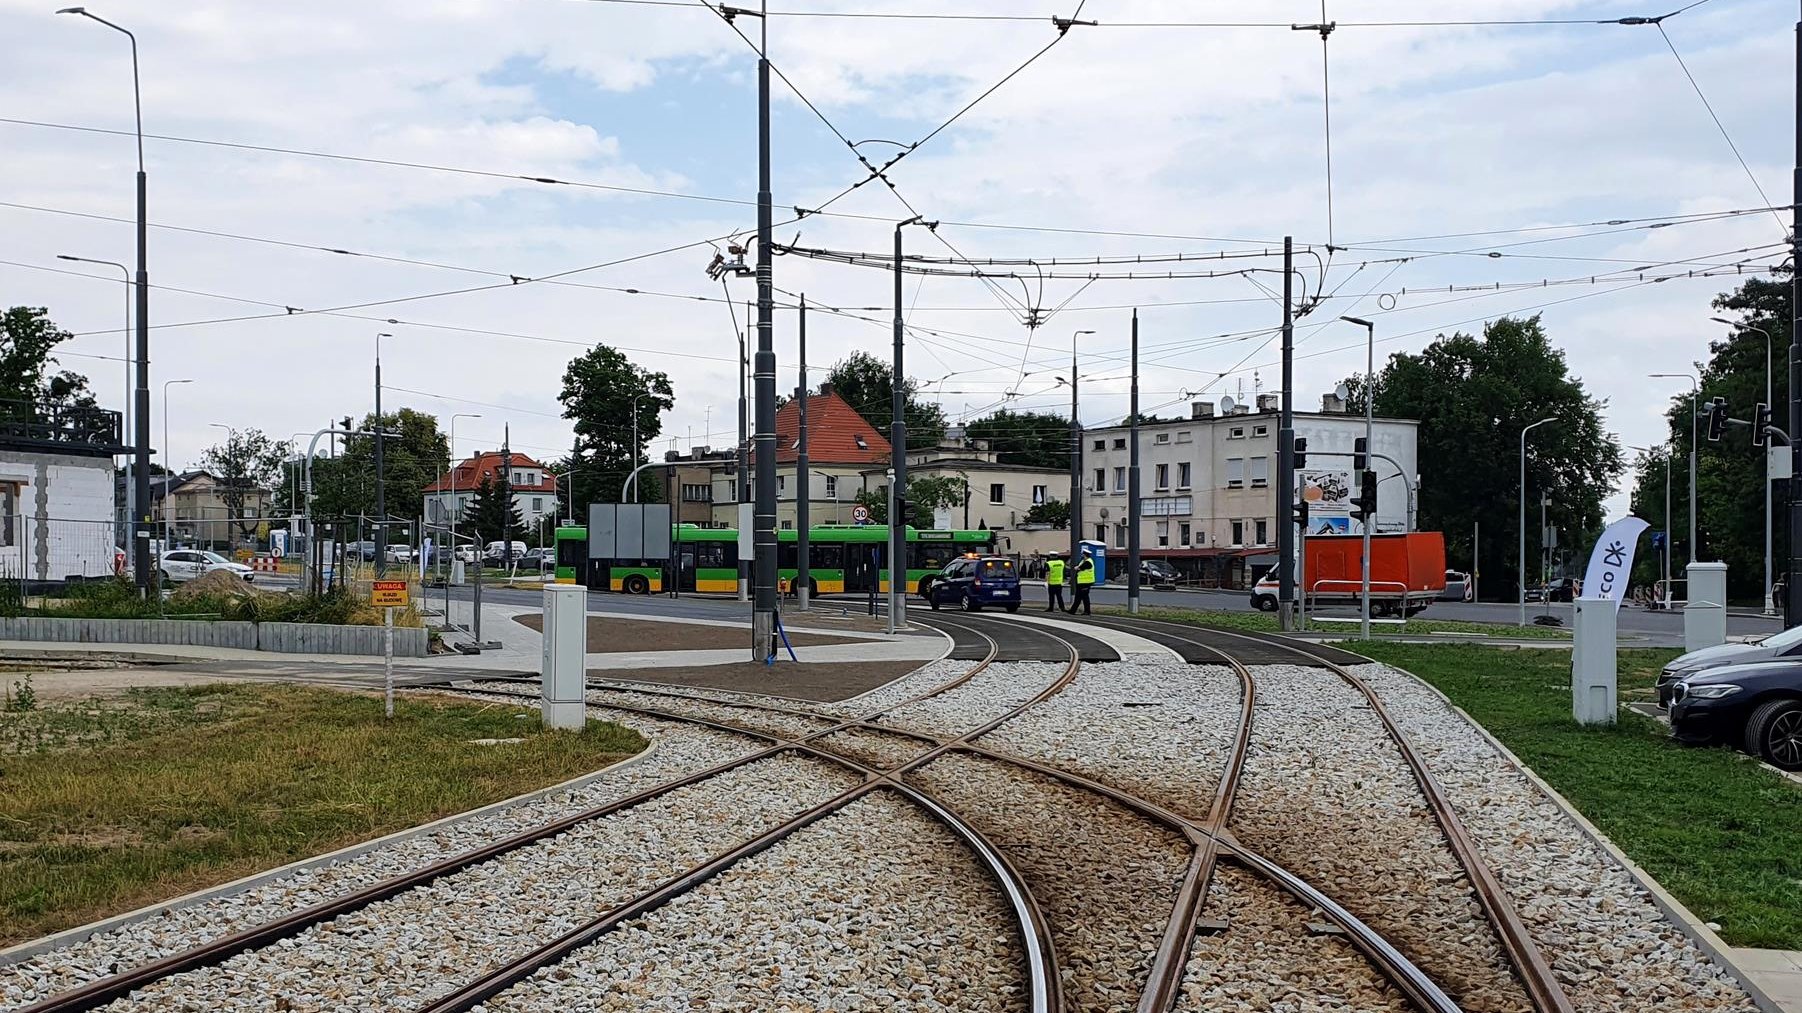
column 827, row 557
column 571, row 552
column 715, row 555
column 787, row 555
column 927, row 555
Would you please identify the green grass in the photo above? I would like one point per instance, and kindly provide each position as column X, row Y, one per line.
column 1265, row 622
column 112, row 803
column 1723, row 834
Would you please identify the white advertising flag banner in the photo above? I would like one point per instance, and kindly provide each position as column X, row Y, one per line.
column 1611, row 561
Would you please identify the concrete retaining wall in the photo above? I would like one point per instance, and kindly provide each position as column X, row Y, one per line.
column 283, row 638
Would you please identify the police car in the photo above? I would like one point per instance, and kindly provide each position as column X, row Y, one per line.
column 973, row 583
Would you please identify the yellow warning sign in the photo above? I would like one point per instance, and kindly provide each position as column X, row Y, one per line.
column 388, row 592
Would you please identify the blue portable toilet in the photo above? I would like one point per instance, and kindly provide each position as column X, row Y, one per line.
column 1098, row 552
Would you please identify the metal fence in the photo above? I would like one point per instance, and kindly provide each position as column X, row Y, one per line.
column 41, row 551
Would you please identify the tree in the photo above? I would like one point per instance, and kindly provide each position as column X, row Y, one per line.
column 493, row 512
column 925, row 496
column 412, row 459
column 1730, row 473
column 1473, row 396
column 600, row 389
column 27, row 338
column 248, row 461
column 865, row 382
column 1054, row 512
column 1035, row 439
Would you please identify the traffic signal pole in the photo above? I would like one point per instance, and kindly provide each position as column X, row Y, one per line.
column 1285, row 460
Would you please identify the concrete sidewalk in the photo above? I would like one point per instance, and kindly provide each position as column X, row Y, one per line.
column 1778, row 972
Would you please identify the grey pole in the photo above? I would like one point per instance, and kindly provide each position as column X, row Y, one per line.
column 1695, row 403
column 140, row 526
column 131, row 493
column 381, row 497
column 1285, row 459
column 1770, row 601
column 803, row 480
column 763, row 530
column 1132, row 484
column 1792, row 606
column 1370, row 520
column 168, row 472
column 740, row 483
column 897, row 438
column 1075, row 465
column 1521, row 563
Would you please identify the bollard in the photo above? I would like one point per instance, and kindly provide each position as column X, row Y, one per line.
column 1594, row 698
column 565, row 656
column 1705, row 616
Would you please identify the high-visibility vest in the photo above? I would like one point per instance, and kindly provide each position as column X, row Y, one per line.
column 1054, row 572
column 1085, row 572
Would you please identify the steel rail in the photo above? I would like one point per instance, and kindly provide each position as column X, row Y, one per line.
column 1537, row 978
column 99, row 992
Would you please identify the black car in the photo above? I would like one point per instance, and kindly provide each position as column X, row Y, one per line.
column 1787, row 644
column 1756, row 707
column 973, row 582
column 1564, row 589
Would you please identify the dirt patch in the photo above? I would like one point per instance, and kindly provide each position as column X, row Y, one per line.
column 607, row 635
column 212, row 583
column 822, row 682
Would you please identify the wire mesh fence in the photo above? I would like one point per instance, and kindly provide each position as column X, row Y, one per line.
column 39, row 551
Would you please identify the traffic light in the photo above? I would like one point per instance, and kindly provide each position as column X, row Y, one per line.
column 1361, row 454
column 901, row 514
column 1300, row 452
column 1301, row 514
column 1364, row 507
column 1761, row 420
column 1717, row 419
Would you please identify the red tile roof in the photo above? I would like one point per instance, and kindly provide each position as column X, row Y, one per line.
column 488, row 463
column 834, row 430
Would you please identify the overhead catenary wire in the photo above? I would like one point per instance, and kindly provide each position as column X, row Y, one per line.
column 1718, row 125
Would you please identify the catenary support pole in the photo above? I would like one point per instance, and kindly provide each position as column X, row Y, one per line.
column 381, row 496
column 740, row 483
column 1132, row 483
column 763, row 531
column 803, row 479
column 1792, row 608
column 1285, row 459
column 1075, row 468
column 897, row 438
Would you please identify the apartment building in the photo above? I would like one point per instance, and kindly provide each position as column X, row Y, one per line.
column 998, row 495
column 1207, row 484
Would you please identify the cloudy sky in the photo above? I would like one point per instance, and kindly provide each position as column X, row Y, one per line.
column 1458, row 153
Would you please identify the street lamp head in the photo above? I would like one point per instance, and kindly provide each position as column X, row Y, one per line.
column 187, row 380
column 1724, row 320
column 1359, row 322
column 1085, row 332
column 64, row 256
column 73, row 10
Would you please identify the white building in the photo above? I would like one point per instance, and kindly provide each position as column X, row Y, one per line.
column 534, row 488
column 56, row 492
column 1207, row 484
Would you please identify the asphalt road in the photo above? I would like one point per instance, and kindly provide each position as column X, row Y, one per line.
column 1663, row 625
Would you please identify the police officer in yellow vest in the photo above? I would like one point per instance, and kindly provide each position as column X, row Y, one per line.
column 1054, row 582
column 1085, row 579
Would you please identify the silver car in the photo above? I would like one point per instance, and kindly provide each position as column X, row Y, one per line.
column 1778, row 645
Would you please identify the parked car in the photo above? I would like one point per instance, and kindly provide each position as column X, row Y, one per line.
column 497, row 549
column 540, row 559
column 1756, row 707
column 1157, row 572
column 1564, row 589
column 400, row 553
column 1457, row 586
column 1787, row 644
column 181, row 565
column 973, row 583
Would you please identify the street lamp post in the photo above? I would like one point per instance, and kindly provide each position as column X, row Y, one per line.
column 140, row 424
column 1695, row 398
column 1521, row 563
column 1370, row 399
column 1770, row 601
column 131, row 497
column 1075, row 461
column 635, row 399
column 381, row 498
column 897, row 427
column 1664, row 562
column 228, row 516
column 454, row 511
column 168, row 471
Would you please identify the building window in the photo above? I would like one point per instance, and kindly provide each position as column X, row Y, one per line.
column 1182, row 534
column 1119, row 479
column 1100, row 444
column 1119, row 536
column 1161, row 438
column 1163, row 534
column 1182, row 475
column 832, row 487
column 9, row 514
column 1100, row 480
column 997, row 492
column 1260, row 430
column 1263, row 532
column 1038, row 495
column 1162, row 475
column 1185, row 436
column 1235, row 473
column 1238, row 532
column 1101, row 533
column 538, row 504
column 787, row 525
column 1260, row 471
column 1120, row 444
column 1236, row 433
column 781, row 484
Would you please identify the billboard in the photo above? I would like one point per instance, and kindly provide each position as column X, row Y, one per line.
column 1328, row 495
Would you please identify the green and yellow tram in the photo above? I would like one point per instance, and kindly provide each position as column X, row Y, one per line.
column 843, row 557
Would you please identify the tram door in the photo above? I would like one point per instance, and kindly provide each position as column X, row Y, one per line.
column 685, row 567
column 861, row 570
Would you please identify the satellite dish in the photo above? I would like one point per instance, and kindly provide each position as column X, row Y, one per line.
column 1227, row 403
column 1342, row 392
column 1104, row 513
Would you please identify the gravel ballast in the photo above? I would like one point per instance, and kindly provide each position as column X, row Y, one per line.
column 877, row 907
column 400, row 953
column 1328, row 795
column 1105, row 877
column 1159, row 730
column 1608, row 942
column 1268, row 959
column 679, row 749
column 998, row 689
column 768, row 722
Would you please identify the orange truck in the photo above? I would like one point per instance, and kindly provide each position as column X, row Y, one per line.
column 1407, row 572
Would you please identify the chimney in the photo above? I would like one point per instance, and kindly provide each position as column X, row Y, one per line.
column 825, row 388
column 672, row 455
column 1268, row 402
column 1201, row 410
column 1332, row 404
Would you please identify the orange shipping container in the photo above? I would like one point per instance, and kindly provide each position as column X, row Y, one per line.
column 1403, row 567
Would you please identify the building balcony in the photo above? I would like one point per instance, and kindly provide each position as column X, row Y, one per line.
column 48, row 427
